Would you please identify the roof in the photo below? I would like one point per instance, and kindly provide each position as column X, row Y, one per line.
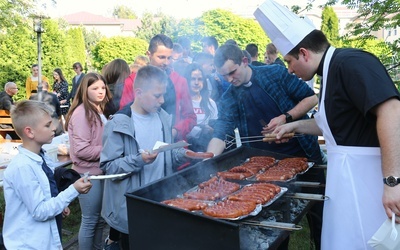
column 130, row 24
column 82, row 18
column 86, row 18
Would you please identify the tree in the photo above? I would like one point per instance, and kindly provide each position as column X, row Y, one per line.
column 76, row 45
column 18, row 53
column 330, row 25
column 225, row 25
column 153, row 24
column 121, row 11
column 56, row 52
column 374, row 16
column 126, row 48
column 91, row 38
column 13, row 11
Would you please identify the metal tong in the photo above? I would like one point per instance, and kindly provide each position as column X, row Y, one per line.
column 231, row 140
column 306, row 196
column 272, row 224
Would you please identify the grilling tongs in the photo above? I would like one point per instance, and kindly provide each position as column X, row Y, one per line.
column 230, row 140
column 272, row 224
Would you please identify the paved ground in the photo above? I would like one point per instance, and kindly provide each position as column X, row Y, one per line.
column 73, row 243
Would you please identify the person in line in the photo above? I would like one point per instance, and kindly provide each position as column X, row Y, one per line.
column 231, row 42
column 203, row 106
column 266, row 59
column 6, row 103
column 34, row 206
column 115, row 74
column 187, row 48
column 76, row 80
column 272, row 54
column 31, row 83
column 51, row 100
column 359, row 117
column 6, row 96
column 178, row 64
column 60, row 88
column 213, row 82
column 209, row 44
column 139, row 62
column 265, row 95
column 177, row 98
column 252, row 48
column 85, row 125
column 128, row 140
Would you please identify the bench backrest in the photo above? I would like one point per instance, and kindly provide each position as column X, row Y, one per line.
column 5, row 117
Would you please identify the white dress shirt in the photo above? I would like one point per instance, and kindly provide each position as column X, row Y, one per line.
column 29, row 220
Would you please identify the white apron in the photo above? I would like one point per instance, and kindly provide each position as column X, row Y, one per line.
column 354, row 211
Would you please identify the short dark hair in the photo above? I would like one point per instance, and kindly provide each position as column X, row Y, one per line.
column 158, row 40
column 77, row 64
column 231, row 41
column 210, row 40
column 247, row 55
column 228, row 52
column 252, row 48
column 185, row 42
column 177, row 48
column 316, row 41
column 202, row 57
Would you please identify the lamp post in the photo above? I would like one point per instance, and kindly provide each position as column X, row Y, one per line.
column 38, row 28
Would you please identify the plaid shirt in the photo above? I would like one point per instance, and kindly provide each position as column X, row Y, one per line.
column 285, row 89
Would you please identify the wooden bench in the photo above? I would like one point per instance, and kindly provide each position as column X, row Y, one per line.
column 6, row 121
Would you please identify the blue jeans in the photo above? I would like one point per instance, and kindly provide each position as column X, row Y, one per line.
column 92, row 225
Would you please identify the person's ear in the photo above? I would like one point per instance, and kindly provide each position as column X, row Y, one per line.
column 138, row 92
column 29, row 132
column 304, row 53
column 148, row 53
column 245, row 60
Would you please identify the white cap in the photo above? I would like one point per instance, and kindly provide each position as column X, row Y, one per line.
column 282, row 26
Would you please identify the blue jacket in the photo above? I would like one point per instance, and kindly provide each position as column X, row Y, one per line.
column 285, row 89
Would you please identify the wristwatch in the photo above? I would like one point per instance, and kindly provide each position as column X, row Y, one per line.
column 289, row 117
column 391, row 181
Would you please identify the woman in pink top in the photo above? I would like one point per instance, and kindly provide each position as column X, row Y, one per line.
column 85, row 124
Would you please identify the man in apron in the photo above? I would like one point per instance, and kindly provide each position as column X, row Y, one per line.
column 266, row 95
column 359, row 117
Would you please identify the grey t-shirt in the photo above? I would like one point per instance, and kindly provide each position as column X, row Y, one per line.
column 148, row 130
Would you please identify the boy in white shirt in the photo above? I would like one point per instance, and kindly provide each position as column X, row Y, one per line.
column 31, row 194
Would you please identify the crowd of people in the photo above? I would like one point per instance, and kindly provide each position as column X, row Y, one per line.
column 114, row 118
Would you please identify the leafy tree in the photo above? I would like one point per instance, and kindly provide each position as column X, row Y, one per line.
column 76, row 44
column 56, row 52
column 91, row 38
column 374, row 16
column 12, row 11
column 126, row 48
column 155, row 24
column 330, row 25
column 225, row 25
column 122, row 11
column 18, row 53
column 145, row 31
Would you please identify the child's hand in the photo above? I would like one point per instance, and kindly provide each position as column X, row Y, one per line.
column 149, row 157
column 82, row 186
column 66, row 212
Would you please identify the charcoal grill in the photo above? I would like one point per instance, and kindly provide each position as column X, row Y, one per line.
column 153, row 225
